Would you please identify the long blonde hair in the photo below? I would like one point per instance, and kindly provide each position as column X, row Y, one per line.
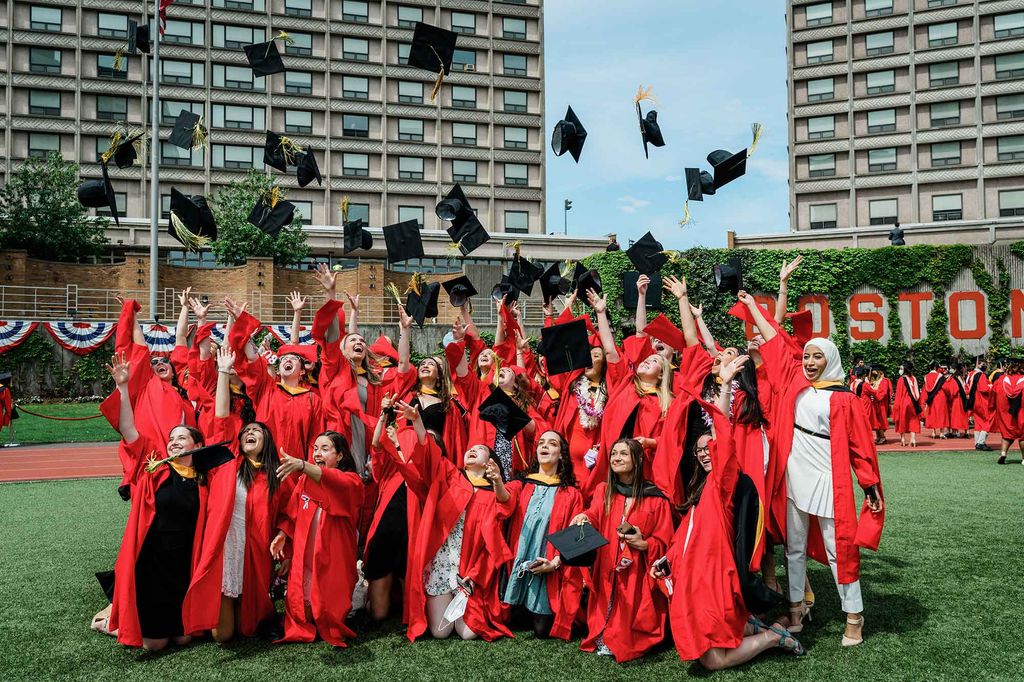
column 664, row 387
column 369, row 363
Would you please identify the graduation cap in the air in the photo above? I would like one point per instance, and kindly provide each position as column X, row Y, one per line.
column 459, row 290
column 584, row 279
column 419, row 305
column 264, row 58
column 523, row 274
column 99, row 193
column 729, row 276
column 138, row 37
column 272, row 216
column 432, row 50
column 727, row 166
column 661, row 328
column 650, row 131
column 191, row 222
column 357, row 236
column 121, row 149
column 569, row 136
column 553, row 285
column 505, row 290
column 503, row 413
column 279, row 151
column 566, row 347
column 403, row 241
column 647, row 254
column 631, row 296
column 698, row 183
column 308, row 170
column 578, row 544
column 468, row 233
column 189, row 131
column 454, row 205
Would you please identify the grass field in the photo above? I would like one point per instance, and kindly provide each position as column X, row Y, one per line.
column 943, row 600
column 29, row 429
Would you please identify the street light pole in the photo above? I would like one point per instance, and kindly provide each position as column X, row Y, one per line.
column 565, row 214
column 154, row 180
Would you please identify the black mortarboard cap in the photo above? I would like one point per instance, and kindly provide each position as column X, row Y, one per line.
column 523, row 274
column 454, row 205
column 138, row 37
column 566, row 347
column 272, row 220
column 553, row 285
column 357, row 237
column 308, row 168
column 569, row 136
column 124, row 153
column 274, row 153
column 468, row 232
column 210, row 457
column 503, row 413
column 630, row 295
column 430, row 43
column 578, row 544
column 99, row 193
column 264, row 58
column 729, row 276
column 504, row 289
column 647, row 254
column 403, row 241
column 584, row 279
column 651, row 131
column 424, row 304
column 183, row 134
column 699, row 183
column 459, row 290
column 195, row 216
column 727, row 166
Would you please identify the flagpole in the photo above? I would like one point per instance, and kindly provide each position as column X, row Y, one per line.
column 154, row 177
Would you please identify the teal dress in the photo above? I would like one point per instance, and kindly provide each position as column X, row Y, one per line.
column 524, row 588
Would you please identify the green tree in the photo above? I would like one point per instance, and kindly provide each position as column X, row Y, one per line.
column 238, row 240
column 39, row 212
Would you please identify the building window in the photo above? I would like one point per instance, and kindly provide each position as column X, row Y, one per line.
column 298, row 122
column 359, row 212
column 1010, row 106
column 516, row 174
column 1011, row 203
column 238, row 117
column 47, row 103
column 105, row 67
column 947, row 207
column 355, row 49
column 181, row 73
column 463, row 97
column 946, row 153
column 170, row 109
column 184, row 33
column 821, row 165
column 41, row 145
column 883, row 211
column 464, row 60
column 41, row 60
column 111, row 25
column 236, row 78
column 819, row 52
column 464, row 133
column 880, row 43
column 403, row 53
column 171, row 155
column 45, row 19
column 298, row 8
column 411, row 93
column 945, row 114
column 410, row 129
column 236, row 156
column 463, row 22
column 247, row 5
column 410, row 168
column 877, row 8
column 355, row 165
column 409, row 16
column 943, row 73
column 882, row 160
column 517, row 221
column 355, row 87
column 821, row 89
column 823, row 216
column 120, row 201
column 879, row 82
column 513, row 29
column 411, row 213
column 821, row 128
column 111, row 108
column 515, row 101
column 355, row 125
column 303, row 211
column 1008, row 25
column 513, row 64
column 940, row 3
column 515, row 138
column 355, row 11
column 301, row 45
column 819, row 14
column 882, row 121
column 1011, row 148
column 940, row 35
column 1010, row 65
column 463, row 171
column 236, row 37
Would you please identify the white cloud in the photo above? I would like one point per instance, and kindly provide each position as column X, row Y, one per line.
column 632, row 204
column 673, row 178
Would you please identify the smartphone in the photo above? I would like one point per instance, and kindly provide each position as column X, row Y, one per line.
column 627, row 529
column 662, row 565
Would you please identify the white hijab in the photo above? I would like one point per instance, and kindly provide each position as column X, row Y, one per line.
column 833, row 364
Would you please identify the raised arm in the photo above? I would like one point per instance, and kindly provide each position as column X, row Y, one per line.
column 499, row 330
column 225, row 363
column 766, row 329
column 604, row 330
column 412, row 414
column 353, row 319
column 787, row 269
column 466, row 311
column 705, row 334
column 642, row 283
column 201, row 311
column 458, row 365
column 382, row 422
column 328, row 280
column 677, row 287
column 297, row 302
column 235, row 311
column 181, row 330
column 727, row 373
column 404, row 341
column 119, row 371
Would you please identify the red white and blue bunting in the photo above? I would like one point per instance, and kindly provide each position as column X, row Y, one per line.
column 283, row 333
column 80, row 338
column 14, row 332
column 217, row 333
column 159, row 337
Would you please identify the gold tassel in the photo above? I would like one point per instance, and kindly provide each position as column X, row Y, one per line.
column 643, row 93
column 190, row 239
column 674, row 257
column 343, row 205
column 289, row 148
column 272, row 196
column 516, row 247
column 440, row 75
column 393, row 292
column 454, row 249
column 416, row 283
column 199, row 136
column 497, row 368
column 757, row 129
column 119, row 59
column 686, row 215
column 115, row 142
column 283, row 35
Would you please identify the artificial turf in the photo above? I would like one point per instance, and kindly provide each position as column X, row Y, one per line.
column 29, row 429
column 943, row 600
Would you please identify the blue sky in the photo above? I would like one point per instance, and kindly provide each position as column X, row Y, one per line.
column 716, row 66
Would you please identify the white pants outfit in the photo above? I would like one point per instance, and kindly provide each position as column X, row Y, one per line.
column 798, row 526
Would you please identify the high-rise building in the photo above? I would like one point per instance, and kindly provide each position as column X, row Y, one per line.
column 908, row 110
column 348, row 95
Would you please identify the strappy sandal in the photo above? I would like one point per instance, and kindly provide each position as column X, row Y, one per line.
column 797, row 614
column 101, row 622
column 785, row 637
column 758, row 624
column 808, row 599
column 848, row 641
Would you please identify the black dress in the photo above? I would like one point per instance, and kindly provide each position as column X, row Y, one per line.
column 434, row 416
column 386, row 554
column 163, row 569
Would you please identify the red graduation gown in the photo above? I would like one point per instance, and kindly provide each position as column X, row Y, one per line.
column 6, row 406
column 564, row 586
column 978, row 385
column 937, row 415
column 474, row 392
column 880, row 406
column 339, row 494
column 1008, row 391
column 906, row 407
column 455, row 432
column 636, row 622
column 957, row 392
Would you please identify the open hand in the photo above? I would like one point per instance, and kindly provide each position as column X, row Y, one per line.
column 225, row 358
column 598, row 303
column 675, row 286
column 118, row 369
column 297, row 301
column 788, row 268
column 727, row 371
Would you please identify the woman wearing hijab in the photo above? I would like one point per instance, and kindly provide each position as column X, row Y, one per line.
column 821, row 433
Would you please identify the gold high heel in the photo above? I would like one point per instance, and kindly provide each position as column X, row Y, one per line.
column 859, row 620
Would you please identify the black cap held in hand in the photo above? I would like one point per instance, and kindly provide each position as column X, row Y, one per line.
column 631, row 295
column 578, row 545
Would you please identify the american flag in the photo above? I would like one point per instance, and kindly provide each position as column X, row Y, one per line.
column 164, row 4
